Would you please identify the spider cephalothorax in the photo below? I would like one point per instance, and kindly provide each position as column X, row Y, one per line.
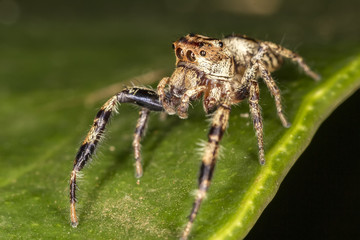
column 223, row 72
column 203, row 65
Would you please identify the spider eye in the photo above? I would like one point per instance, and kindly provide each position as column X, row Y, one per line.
column 179, row 53
column 221, row 44
column 173, row 46
column 202, row 53
column 190, row 55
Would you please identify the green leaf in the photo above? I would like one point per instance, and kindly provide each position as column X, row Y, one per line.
column 316, row 105
column 45, row 115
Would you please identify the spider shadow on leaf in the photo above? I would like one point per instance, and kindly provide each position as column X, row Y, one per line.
column 156, row 134
column 119, row 163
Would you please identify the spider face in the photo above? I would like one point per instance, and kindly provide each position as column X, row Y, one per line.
column 222, row 72
column 207, row 55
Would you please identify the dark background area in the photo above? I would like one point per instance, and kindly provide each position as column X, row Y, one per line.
column 320, row 197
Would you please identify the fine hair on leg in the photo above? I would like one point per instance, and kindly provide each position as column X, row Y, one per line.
column 138, row 134
column 217, row 129
column 146, row 98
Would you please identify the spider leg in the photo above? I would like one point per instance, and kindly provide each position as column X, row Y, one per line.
column 185, row 99
column 293, row 57
column 139, row 133
column 255, row 111
column 145, row 98
column 270, row 83
column 169, row 108
column 250, row 78
column 218, row 126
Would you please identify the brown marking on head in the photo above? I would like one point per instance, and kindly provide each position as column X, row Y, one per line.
column 192, row 48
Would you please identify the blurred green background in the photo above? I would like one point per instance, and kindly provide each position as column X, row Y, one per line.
column 50, row 44
column 58, row 29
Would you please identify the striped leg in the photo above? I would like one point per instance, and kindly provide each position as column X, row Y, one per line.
column 218, row 126
column 293, row 57
column 143, row 97
column 87, row 149
column 270, row 83
column 250, row 78
column 139, row 133
column 256, row 117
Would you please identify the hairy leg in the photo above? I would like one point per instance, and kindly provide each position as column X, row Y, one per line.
column 250, row 79
column 169, row 108
column 270, row 83
column 293, row 57
column 218, row 126
column 256, row 117
column 139, row 133
column 145, row 98
column 185, row 99
column 87, row 149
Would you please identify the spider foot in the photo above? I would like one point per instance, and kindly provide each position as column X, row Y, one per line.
column 283, row 120
column 168, row 108
column 313, row 75
column 287, row 125
column 138, row 169
column 182, row 114
column 186, row 232
column 182, row 110
column 74, row 224
column 261, row 155
column 74, row 221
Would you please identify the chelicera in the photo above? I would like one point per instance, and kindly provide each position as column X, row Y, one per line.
column 221, row 72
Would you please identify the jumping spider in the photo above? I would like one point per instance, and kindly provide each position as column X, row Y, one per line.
column 224, row 72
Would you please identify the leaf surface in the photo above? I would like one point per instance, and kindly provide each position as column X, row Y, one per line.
column 45, row 115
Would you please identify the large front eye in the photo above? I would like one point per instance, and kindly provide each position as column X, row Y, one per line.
column 179, row 53
column 190, row 55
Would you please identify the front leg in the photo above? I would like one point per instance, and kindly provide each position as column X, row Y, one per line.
column 218, row 127
column 169, row 108
column 185, row 100
column 146, row 98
